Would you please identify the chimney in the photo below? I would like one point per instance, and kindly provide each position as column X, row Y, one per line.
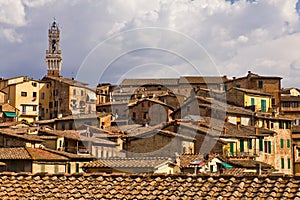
column 226, row 119
column 258, row 169
column 224, row 130
column 249, row 72
column 233, row 78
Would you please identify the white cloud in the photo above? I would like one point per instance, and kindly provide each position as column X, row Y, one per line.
column 12, row 12
column 260, row 36
column 10, row 35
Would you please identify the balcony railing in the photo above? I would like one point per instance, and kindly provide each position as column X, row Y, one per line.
column 31, row 113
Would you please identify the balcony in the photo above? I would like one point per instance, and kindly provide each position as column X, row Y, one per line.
column 80, row 150
column 30, row 113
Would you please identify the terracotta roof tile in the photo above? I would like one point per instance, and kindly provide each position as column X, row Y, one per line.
column 41, row 154
column 127, row 162
column 14, row 153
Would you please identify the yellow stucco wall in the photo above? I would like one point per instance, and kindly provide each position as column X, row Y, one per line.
column 248, row 97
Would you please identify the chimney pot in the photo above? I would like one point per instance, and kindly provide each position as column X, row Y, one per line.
column 224, row 130
column 249, row 72
column 233, row 78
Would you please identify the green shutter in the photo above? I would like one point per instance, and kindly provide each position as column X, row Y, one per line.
column 289, row 163
column 288, row 143
column 281, row 143
column 231, row 148
column 282, row 163
column 261, row 148
column 269, row 147
column 56, row 169
column 43, row 168
column 263, row 106
column 242, row 146
column 252, row 102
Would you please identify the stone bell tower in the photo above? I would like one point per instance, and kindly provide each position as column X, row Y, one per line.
column 53, row 53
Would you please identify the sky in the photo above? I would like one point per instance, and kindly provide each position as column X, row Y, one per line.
column 108, row 40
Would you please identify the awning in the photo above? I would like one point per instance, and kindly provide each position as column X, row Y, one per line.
column 226, row 165
column 10, row 114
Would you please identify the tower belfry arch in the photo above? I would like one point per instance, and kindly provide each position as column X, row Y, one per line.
column 53, row 53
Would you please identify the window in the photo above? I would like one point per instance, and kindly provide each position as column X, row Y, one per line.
column 211, row 167
column 269, row 147
column 289, row 163
column 231, row 148
column 43, row 168
column 55, row 92
column 238, row 85
column 69, row 168
column 34, row 108
column 48, row 85
column 133, row 115
column 260, row 84
column 285, row 104
column 55, row 168
column 77, row 167
column 55, row 104
column 81, row 92
column 70, row 126
column 34, row 84
column 149, row 103
column 50, row 104
column 295, row 104
column 47, row 111
column 24, row 109
column 43, row 95
column 261, row 144
column 282, row 163
column 63, row 126
column 145, row 115
column 288, row 125
column 34, row 94
column 281, row 143
column 225, row 88
column 263, row 106
column 273, row 102
column 266, row 146
column 252, row 102
column 281, row 125
column 250, row 144
column 288, row 143
column 142, row 104
column 74, row 91
column 242, row 149
column 24, row 94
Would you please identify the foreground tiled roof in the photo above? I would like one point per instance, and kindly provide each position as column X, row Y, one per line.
column 97, row 186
